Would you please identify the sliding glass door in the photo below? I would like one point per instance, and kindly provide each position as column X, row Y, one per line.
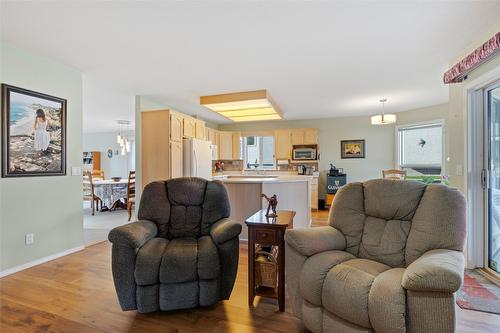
column 492, row 108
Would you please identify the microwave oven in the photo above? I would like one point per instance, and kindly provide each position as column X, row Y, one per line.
column 304, row 154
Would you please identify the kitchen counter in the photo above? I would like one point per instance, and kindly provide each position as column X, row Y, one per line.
column 244, row 190
column 252, row 179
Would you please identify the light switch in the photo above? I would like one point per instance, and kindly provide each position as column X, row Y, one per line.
column 76, row 171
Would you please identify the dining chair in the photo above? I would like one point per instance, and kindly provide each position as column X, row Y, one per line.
column 98, row 174
column 88, row 192
column 130, row 193
column 394, row 174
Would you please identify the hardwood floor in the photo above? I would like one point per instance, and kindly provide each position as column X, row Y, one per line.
column 76, row 294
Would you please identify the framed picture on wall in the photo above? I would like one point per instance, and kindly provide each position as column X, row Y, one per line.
column 352, row 149
column 33, row 133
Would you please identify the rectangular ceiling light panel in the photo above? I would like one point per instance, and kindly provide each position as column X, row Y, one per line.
column 243, row 106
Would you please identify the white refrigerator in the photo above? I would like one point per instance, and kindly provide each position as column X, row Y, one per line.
column 197, row 158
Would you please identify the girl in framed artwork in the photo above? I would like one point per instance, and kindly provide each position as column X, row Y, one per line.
column 42, row 136
column 33, row 133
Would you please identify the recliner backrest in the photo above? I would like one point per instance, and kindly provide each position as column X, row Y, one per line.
column 391, row 221
column 184, row 207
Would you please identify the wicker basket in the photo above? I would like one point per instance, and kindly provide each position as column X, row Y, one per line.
column 266, row 268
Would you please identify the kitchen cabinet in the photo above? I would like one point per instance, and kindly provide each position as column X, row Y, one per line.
column 304, row 136
column 282, row 143
column 155, row 146
column 311, row 136
column 176, row 159
column 199, row 129
column 297, row 136
column 314, row 193
column 226, row 145
column 189, row 127
column 236, row 145
column 176, row 127
column 211, row 135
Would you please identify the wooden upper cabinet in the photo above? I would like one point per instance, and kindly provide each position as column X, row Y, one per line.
column 176, row 157
column 155, row 139
column 304, row 136
column 212, row 136
column 176, row 127
column 297, row 136
column 207, row 134
column 226, row 145
column 311, row 136
column 189, row 126
column 236, row 146
column 199, row 129
column 283, row 144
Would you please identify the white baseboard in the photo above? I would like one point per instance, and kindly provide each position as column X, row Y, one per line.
column 16, row 269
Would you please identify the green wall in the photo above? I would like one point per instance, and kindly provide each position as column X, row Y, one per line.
column 49, row 207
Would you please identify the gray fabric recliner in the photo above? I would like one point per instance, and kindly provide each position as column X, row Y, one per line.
column 183, row 250
column 390, row 261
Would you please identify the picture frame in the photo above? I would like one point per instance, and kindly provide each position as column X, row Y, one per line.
column 352, row 149
column 33, row 133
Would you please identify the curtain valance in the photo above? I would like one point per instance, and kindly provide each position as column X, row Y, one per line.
column 458, row 72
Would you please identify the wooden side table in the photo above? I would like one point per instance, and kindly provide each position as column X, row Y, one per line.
column 268, row 232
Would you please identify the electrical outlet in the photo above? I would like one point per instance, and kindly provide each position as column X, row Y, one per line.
column 29, row 239
column 76, row 171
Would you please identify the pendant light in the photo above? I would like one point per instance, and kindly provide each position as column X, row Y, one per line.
column 383, row 119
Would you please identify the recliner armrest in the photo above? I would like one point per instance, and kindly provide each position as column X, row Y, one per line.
column 436, row 270
column 134, row 234
column 315, row 240
column 224, row 230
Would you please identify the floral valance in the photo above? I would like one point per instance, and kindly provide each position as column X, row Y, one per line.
column 458, row 72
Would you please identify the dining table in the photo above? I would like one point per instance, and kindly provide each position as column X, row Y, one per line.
column 110, row 192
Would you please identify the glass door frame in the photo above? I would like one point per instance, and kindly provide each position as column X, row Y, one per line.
column 486, row 173
column 475, row 175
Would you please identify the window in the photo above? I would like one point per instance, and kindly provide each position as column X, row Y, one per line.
column 258, row 152
column 420, row 148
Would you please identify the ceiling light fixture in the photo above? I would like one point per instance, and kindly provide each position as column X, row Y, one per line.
column 243, row 106
column 383, row 119
column 123, row 141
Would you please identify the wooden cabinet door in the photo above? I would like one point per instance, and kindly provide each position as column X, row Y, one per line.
column 297, row 136
column 176, row 159
column 314, row 193
column 199, row 129
column 155, row 156
column 226, row 145
column 311, row 136
column 282, row 142
column 207, row 134
column 176, row 126
column 212, row 136
column 236, row 146
column 189, row 126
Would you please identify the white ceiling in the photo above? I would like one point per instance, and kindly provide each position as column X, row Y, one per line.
column 317, row 59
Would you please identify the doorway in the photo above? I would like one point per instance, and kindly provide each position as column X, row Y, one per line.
column 492, row 167
column 483, row 176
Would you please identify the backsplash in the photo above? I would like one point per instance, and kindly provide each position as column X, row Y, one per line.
column 230, row 165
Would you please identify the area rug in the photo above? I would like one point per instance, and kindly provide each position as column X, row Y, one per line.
column 478, row 293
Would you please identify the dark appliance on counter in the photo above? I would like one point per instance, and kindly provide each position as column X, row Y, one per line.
column 335, row 179
column 334, row 171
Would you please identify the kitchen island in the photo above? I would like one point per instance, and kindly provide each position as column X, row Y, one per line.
column 293, row 192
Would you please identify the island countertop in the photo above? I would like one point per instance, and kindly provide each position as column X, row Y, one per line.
column 244, row 191
column 260, row 179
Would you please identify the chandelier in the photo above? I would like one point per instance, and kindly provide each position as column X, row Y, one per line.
column 121, row 139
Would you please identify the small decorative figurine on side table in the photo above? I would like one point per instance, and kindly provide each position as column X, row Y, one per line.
column 272, row 203
column 268, row 232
